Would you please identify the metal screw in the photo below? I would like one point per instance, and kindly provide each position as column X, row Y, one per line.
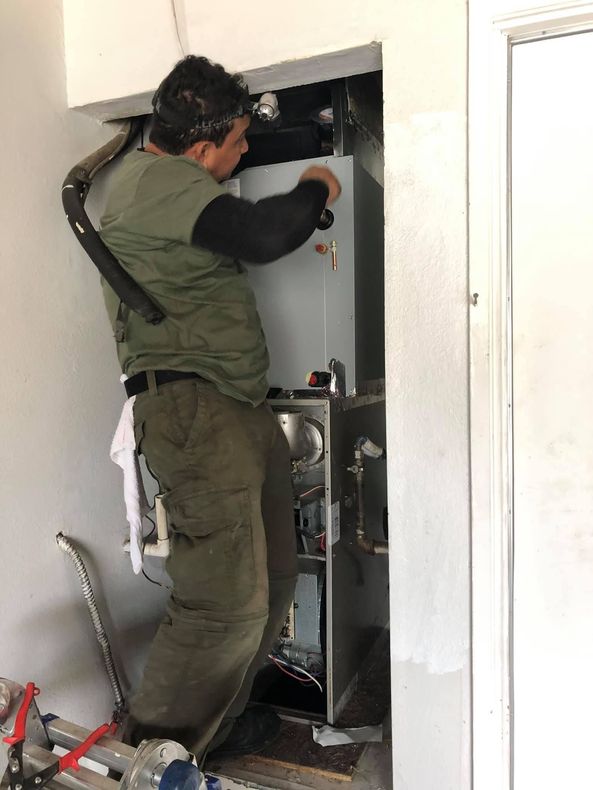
column 18, row 787
column 14, row 766
column 37, row 780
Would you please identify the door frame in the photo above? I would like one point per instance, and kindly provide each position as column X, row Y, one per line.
column 491, row 38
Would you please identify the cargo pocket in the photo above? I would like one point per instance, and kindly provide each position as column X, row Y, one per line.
column 212, row 553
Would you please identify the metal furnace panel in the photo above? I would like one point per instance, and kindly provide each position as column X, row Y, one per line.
column 369, row 251
column 307, row 309
column 356, row 605
column 357, row 584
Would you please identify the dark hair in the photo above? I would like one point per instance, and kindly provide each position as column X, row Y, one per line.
column 197, row 101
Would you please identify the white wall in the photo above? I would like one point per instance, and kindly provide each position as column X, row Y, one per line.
column 59, row 395
column 427, row 403
column 115, row 69
column 121, row 51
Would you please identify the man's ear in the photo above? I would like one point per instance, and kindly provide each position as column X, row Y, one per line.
column 199, row 151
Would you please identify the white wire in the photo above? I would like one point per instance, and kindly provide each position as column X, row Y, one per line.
column 176, row 23
column 299, row 669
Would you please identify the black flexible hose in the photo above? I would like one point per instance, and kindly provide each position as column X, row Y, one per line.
column 74, row 192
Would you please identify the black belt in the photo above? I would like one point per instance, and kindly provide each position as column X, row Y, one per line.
column 139, row 383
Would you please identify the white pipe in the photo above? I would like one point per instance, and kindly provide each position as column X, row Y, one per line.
column 160, row 547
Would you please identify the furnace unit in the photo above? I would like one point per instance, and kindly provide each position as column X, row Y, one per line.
column 325, row 302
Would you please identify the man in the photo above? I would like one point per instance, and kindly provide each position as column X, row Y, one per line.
column 200, row 414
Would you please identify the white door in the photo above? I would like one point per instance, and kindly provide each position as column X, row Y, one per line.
column 552, row 363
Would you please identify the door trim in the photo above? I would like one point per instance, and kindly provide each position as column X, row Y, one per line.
column 491, row 38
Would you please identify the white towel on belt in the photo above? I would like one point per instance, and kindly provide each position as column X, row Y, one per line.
column 123, row 453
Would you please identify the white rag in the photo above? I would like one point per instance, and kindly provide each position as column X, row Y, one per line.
column 123, row 453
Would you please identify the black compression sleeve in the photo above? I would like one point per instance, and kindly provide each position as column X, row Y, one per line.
column 264, row 231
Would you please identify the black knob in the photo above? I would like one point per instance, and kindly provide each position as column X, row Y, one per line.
column 318, row 378
column 326, row 220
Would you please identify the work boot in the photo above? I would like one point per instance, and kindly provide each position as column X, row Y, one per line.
column 256, row 728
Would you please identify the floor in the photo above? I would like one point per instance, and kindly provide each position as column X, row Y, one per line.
column 296, row 762
column 373, row 771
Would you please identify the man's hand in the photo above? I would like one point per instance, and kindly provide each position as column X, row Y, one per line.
column 324, row 174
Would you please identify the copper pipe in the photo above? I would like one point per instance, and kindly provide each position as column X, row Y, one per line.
column 368, row 545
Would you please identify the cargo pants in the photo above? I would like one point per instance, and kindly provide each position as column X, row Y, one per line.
column 224, row 469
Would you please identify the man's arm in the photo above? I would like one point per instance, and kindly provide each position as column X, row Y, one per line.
column 264, row 231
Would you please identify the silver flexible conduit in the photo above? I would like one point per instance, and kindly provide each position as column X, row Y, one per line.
column 89, row 597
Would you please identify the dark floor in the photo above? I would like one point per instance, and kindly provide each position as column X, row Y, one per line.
column 295, row 760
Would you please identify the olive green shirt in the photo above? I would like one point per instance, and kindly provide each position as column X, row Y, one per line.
column 211, row 326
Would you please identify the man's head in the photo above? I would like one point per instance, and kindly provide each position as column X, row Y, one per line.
column 200, row 111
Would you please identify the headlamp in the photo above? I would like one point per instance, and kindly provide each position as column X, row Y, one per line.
column 265, row 109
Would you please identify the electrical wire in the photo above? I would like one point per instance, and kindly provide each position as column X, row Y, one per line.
column 176, row 24
column 145, row 538
column 290, row 675
column 307, row 675
column 310, row 491
column 299, row 668
column 281, row 656
column 153, row 581
column 308, row 534
column 281, row 664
